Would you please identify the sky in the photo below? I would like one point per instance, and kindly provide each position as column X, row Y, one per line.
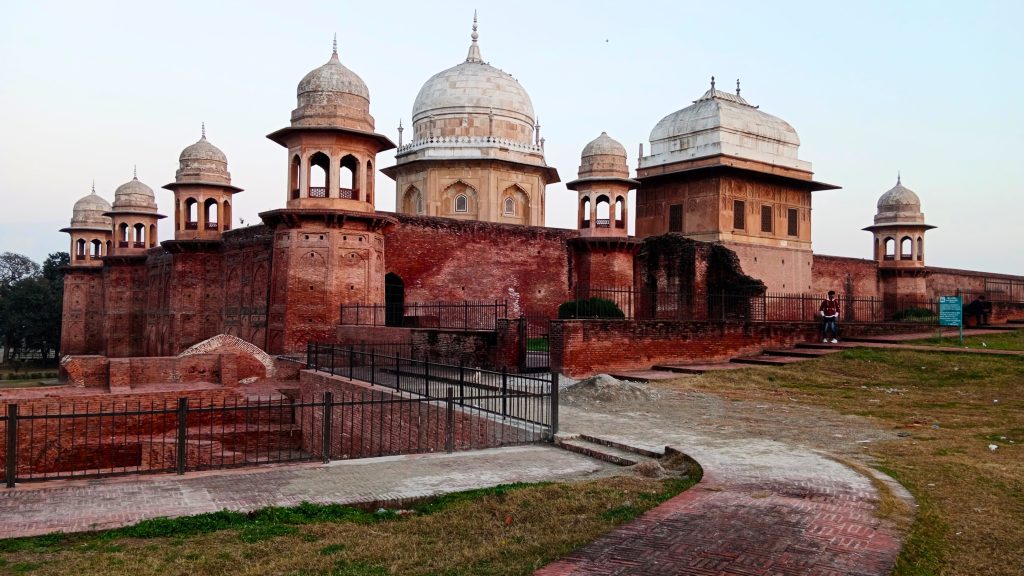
column 928, row 90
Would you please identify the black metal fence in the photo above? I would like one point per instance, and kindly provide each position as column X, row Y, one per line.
column 454, row 315
column 521, row 401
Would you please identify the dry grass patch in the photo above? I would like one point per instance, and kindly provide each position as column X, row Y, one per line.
column 952, row 408
column 501, row 531
column 1001, row 341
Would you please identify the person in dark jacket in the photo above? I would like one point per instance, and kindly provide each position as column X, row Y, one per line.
column 980, row 308
column 829, row 313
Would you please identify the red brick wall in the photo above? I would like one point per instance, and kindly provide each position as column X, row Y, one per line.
column 441, row 259
column 137, row 372
column 491, row 349
column 849, row 276
column 582, row 348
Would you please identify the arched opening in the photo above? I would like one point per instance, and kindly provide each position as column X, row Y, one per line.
column 412, row 201
column 80, row 249
column 140, row 236
column 890, row 249
column 226, row 219
column 97, row 249
column 585, row 212
column 349, row 176
column 603, row 206
column 394, row 299
column 461, row 203
column 370, row 181
column 152, row 235
column 906, row 248
column 210, row 214
column 460, row 199
column 920, row 248
column 293, row 176
column 620, row 212
column 191, row 214
column 509, row 207
column 122, row 235
column 107, row 251
column 319, row 175
column 878, row 248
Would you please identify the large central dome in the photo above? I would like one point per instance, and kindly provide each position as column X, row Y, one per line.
column 473, row 99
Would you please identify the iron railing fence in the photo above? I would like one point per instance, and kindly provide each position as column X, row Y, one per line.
column 529, row 401
column 452, row 315
column 428, row 411
column 999, row 290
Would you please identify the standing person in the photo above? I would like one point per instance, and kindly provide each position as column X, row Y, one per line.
column 829, row 312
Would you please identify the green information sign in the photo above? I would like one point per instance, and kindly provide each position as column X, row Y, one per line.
column 950, row 311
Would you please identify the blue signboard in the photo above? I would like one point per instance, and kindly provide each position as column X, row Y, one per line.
column 950, row 311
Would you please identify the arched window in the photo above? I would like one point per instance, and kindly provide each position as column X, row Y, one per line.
column 906, row 248
column 210, row 214
column 226, row 219
column 920, row 248
column 461, row 203
column 107, row 251
column 419, row 202
column 140, row 236
column 293, row 176
column 319, row 175
column 412, row 201
column 80, row 249
column 585, row 212
column 123, row 235
column 152, row 235
column 509, row 207
column 620, row 212
column 890, row 249
column 603, row 206
column 349, row 186
column 370, row 179
column 191, row 214
column 97, row 249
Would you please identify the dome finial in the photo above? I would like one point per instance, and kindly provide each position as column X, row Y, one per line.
column 737, row 86
column 712, row 83
column 204, row 130
column 334, row 45
column 93, row 185
column 898, row 177
column 135, row 171
column 474, row 49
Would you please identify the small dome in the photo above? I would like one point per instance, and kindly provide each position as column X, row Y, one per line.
column 134, row 196
column 604, row 145
column 332, row 96
column 899, row 205
column 332, row 77
column 202, row 162
column 89, row 213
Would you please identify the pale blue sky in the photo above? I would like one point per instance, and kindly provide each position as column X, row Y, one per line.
column 932, row 89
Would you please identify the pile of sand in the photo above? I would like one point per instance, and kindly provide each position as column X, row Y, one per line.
column 605, row 388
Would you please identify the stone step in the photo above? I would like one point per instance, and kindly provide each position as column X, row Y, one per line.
column 1017, row 321
column 646, row 375
column 802, row 352
column 599, row 451
column 767, row 360
column 696, row 368
column 649, row 452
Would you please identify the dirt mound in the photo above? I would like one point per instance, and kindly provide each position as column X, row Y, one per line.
column 605, row 388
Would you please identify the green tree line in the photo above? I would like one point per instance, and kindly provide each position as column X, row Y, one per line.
column 31, row 298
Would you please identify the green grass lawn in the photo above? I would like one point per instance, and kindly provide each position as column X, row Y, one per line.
column 1001, row 341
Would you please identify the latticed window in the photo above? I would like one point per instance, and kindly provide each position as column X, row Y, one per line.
column 675, row 218
column 739, row 221
column 461, row 203
column 766, row 218
column 510, row 207
column 794, row 227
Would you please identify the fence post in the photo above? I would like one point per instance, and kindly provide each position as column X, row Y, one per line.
column 334, row 362
column 327, row 425
column 554, row 405
column 351, row 361
column 309, row 355
column 465, row 314
column 426, row 377
column 373, row 367
column 504, row 392
column 449, row 423
column 182, row 434
column 462, row 382
column 11, row 461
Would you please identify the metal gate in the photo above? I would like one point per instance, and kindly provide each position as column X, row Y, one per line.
column 533, row 332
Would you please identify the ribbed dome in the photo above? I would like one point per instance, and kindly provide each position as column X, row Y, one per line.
column 722, row 123
column 134, row 196
column 332, row 77
column 604, row 144
column 202, row 162
column 483, row 100
column 89, row 213
column 899, row 205
column 332, row 96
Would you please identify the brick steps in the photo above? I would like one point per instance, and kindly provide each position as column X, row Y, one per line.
column 696, row 368
column 768, row 360
column 606, row 450
column 802, row 352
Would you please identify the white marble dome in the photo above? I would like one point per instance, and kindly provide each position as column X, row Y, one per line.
column 604, row 145
column 134, row 196
column 89, row 212
column 899, row 205
column 723, row 123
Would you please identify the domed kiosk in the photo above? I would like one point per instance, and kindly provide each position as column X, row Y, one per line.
column 476, row 151
column 899, row 229
column 722, row 170
column 91, row 230
column 133, row 217
column 202, row 192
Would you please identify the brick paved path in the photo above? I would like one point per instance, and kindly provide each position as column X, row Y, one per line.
column 762, row 508
column 79, row 505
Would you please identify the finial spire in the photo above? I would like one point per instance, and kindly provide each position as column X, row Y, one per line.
column 204, row 130
column 400, row 130
column 712, row 83
column 898, row 177
column 93, row 185
column 737, row 86
column 474, row 49
column 334, row 45
column 135, row 171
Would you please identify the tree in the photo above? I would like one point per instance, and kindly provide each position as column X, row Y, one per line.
column 31, row 298
column 14, row 267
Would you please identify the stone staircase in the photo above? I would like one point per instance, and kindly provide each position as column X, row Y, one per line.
column 607, row 450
